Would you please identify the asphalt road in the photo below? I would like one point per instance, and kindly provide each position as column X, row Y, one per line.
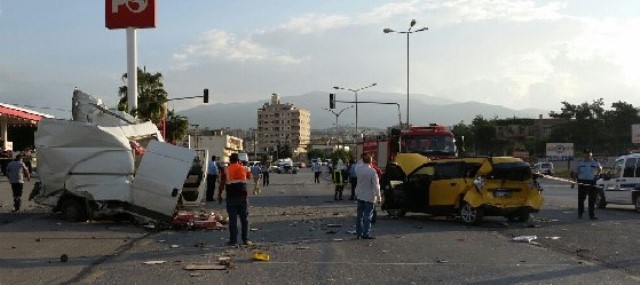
column 307, row 236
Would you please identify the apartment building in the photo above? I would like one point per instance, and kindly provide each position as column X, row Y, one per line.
column 282, row 124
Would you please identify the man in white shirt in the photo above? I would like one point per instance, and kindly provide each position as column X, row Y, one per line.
column 367, row 193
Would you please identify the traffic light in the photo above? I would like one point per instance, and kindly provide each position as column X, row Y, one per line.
column 206, row 96
column 332, row 101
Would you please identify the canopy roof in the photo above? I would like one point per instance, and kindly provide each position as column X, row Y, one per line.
column 21, row 116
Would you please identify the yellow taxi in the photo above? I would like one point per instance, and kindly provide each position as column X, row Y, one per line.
column 469, row 188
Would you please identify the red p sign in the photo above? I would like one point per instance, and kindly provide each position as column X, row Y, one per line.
column 120, row 14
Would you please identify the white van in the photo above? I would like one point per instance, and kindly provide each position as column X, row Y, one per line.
column 622, row 183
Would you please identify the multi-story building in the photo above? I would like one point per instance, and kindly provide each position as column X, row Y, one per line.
column 282, row 124
column 217, row 142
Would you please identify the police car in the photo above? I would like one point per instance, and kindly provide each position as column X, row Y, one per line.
column 621, row 184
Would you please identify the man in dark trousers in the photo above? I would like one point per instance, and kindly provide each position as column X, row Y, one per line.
column 588, row 170
column 236, row 188
column 17, row 173
column 212, row 176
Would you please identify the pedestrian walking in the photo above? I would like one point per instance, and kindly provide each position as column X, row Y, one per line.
column 17, row 173
column 316, row 172
column 588, row 170
column 367, row 194
column 256, row 173
column 265, row 175
column 212, row 176
column 236, row 177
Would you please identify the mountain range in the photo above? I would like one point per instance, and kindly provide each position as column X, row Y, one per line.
column 424, row 110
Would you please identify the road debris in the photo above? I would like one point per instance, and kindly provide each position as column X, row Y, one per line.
column 553, row 238
column 524, row 238
column 334, row 225
column 302, row 247
column 64, row 258
column 175, row 246
column 442, row 261
column 201, row 219
column 260, row 255
column 155, row 262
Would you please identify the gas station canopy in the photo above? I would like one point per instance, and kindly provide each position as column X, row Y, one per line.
column 13, row 115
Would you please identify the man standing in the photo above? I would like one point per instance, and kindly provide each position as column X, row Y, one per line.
column 353, row 179
column 256, row 172
column 316, row 172
column 367, row 193
column 265, row 175
column 212, row 176
column 588, row 171
column 236, row 188
column 17, row 172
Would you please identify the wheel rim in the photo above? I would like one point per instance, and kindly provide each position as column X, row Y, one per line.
column 468, row 213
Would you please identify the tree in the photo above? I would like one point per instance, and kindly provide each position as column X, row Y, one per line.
column 485, row 134
column 176, row 126
column 151, row 96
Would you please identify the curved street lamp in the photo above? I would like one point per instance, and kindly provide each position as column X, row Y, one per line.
column 408, row 32
column 355, row 92
column 337, row 114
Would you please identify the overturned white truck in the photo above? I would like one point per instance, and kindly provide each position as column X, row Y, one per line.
column 106, row 162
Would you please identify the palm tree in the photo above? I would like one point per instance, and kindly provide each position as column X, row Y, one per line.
column 151, row 96
column 176, row 126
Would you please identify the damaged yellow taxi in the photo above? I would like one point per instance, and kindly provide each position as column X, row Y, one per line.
column 470, row 188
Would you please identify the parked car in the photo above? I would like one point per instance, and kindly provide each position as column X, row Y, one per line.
column 621, row 184
column 544, row 168
column 470, row 188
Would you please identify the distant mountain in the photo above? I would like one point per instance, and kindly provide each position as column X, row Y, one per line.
column 423, row 111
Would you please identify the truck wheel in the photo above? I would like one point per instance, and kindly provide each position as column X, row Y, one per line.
column 74, row 210
column 469, row 214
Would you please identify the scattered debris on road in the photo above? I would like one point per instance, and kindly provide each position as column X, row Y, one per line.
column 524, row 238
column 260, row 255
column 155, row 262
column 64, row 258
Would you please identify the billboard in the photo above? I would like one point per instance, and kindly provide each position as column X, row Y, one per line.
column 121, row 14
column 559, row 151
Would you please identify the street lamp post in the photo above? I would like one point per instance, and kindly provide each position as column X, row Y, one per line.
column 337, row 114
column 408, row 32
column 355, row 92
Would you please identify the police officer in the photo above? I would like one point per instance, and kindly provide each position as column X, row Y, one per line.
column 588, row 171
column 236, row 188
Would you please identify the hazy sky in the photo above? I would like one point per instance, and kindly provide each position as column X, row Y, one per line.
column 520, row 54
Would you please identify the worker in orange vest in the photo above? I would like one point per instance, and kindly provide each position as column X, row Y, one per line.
column 236, row 176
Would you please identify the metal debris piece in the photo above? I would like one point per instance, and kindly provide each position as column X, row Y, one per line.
column 524, row 238
column 154, row 262
column 553, row 238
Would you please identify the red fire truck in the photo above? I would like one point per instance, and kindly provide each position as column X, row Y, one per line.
column 433, row 141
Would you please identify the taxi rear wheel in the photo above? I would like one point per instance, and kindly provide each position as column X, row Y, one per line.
column 470, row 214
